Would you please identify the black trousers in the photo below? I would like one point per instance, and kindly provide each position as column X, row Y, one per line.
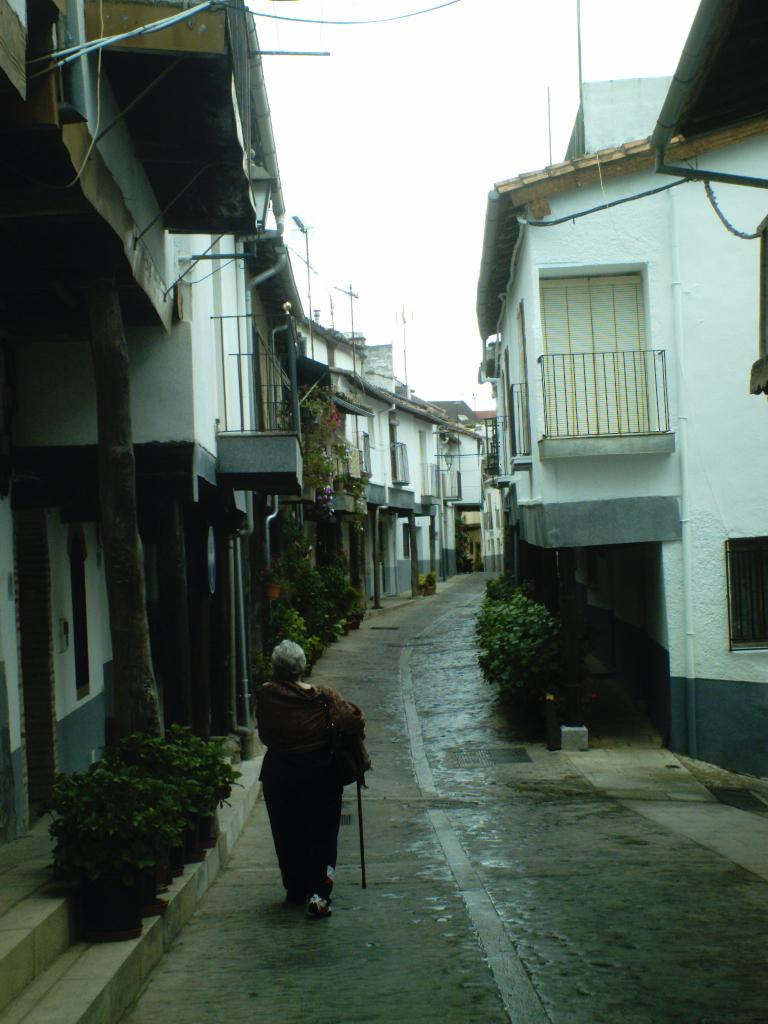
column 304, row 807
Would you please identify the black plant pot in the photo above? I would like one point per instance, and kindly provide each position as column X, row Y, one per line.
column 176, row 861
column 111, row 908
column 193, row 851
column 207, row 831
column 153, row 881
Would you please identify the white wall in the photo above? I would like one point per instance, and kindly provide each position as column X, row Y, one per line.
column 621, row 110
column 99, row 642
column 718, row 426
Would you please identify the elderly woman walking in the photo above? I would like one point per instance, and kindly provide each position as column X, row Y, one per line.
column 300, row 784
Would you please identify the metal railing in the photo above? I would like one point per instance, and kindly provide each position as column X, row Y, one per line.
column 351, row 465
column 399, row 463
column 266, row 409
column 365, row 454
column 495, row 446
column 601, row 394
column 451, row 485
column 430, row 482
column 519, row 424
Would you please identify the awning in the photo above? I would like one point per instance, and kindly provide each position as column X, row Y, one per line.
column 353, row 407
column 310, row 371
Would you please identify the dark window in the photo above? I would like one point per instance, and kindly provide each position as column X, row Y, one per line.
column 747, row 562
column 406, row 541
column 79, row 614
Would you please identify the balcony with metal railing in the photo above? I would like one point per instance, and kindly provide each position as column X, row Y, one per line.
column 606, row 402
column 365, row 454
column 399, row 463
column 430, row 481
column 451, row 485
column 258, row 440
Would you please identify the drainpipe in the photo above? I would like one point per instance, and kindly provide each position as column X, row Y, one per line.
column 678, row 331
column 268, row 523
column 280, row 264
column 233, row 715
column 242, row 645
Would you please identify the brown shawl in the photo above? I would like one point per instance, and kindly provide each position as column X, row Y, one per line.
column 293, row 720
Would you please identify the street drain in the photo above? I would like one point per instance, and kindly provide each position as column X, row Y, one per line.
column 346, row 819
column 479, row 758
column 452, row 805
column 385, row 627
column 742, row 799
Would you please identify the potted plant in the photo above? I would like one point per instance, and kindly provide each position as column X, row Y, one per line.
column 110, row 825
column 273, row 584
column 427, row 584
column 210, row 778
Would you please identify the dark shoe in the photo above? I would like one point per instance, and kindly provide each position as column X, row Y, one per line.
column 295, row 897
column 318, row 907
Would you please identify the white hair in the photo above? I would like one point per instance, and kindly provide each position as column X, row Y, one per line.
column 288, row 660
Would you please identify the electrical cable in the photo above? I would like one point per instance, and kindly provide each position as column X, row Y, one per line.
column 604, row 206
column 366, row 21
column 192, row 265
column 746, row 235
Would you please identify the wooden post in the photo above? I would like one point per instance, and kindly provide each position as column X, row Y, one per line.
column 432, row 542
column 412, row 542
column 569, row 645
column 376, row 558
column 174, row 605
column 136, row 703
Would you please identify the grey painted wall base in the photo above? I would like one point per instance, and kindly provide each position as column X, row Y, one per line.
column 720, row 721
column 80, row 734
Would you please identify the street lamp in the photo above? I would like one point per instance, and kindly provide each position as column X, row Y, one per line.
column 305, row 231
column 261, row 189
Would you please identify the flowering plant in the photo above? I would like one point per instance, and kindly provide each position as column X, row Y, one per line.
column 324, row 502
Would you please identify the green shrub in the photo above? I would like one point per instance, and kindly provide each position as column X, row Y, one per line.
column 503, row 588
column 112, row 820
column 519, row 644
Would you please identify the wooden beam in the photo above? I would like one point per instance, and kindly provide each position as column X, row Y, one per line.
column 632, row 158
column 204, row 33
column 13, row 47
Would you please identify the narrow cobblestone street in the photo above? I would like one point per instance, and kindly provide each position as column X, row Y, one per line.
column 504, row 883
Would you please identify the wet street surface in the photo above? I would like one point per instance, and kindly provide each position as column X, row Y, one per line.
column 502, row 884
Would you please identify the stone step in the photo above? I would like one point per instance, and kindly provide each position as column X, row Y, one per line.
column 47, row 977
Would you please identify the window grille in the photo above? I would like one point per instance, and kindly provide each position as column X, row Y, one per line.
column 747, row 565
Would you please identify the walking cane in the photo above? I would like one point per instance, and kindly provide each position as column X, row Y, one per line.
column 360, row 827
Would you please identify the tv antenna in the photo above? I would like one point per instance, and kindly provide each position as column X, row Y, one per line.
column 351, row 295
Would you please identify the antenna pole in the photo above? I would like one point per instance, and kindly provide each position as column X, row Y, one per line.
column 581, row 76
column 352, row 295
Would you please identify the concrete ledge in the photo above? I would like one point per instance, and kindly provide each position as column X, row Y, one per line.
column 44, row 979
column 627, row 444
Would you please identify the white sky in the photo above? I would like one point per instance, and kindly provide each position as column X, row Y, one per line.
column 388, row 148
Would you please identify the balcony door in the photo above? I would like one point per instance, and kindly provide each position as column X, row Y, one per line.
column 594, row 366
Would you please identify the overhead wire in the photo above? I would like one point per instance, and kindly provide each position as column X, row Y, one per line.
column 362, row 21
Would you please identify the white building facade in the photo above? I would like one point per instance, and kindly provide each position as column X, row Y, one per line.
column 625, row 433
